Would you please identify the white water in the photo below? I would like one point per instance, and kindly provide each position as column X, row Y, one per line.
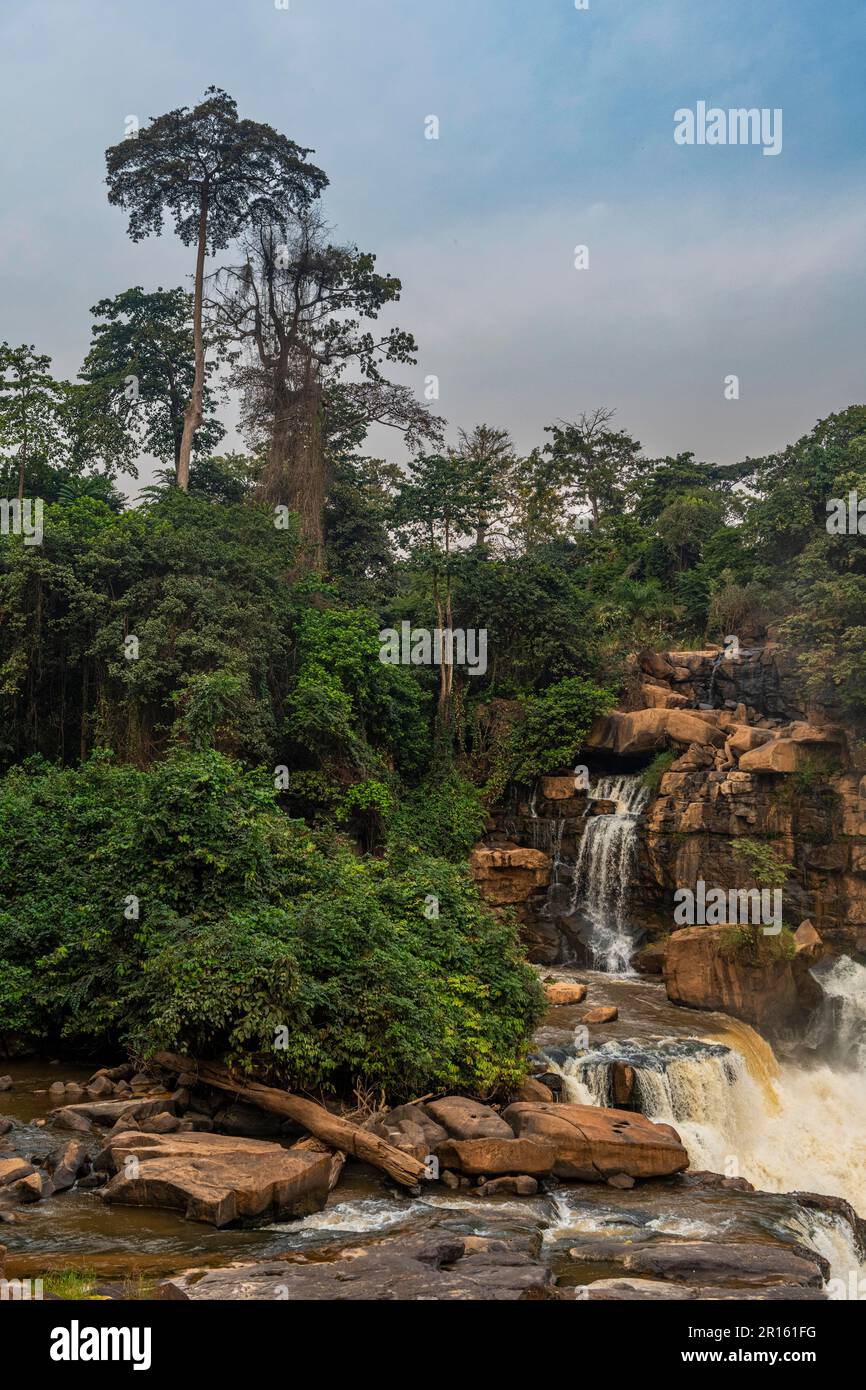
column 838, row 1028
column 603, row 873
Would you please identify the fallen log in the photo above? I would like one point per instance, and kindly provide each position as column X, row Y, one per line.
column 333, row 1130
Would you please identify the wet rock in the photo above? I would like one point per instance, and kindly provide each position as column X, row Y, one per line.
column 637, row 1290
column 215, row 1178
column 99, row 1086
column 67, row 1163
column 478, row 1157
column 562, row 992
column 107, row 1112
column 606, row 1014
column 26, row 1189
column 12, row 1169
column 425, row 1268
column 534, row 1089
column 711, row 1262
column 592, row 1143
column 160, row 1124
column 468, row 1119
column 622, row 1181
column 57, row 1088
column 5, row 1083
column 520, row 1186
column 700, row 975
column 6, row 1123
column 622, row 1083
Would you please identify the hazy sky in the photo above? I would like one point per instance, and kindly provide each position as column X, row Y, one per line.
column 556, row 129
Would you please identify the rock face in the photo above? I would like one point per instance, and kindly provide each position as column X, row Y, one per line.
column 712, row 1262
column 772, row 996
column 478, row 1157
column 214, row 1177
column 592, row 1144
column 449, row 1268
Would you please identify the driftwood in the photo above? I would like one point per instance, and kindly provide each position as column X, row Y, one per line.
column 333, row 1130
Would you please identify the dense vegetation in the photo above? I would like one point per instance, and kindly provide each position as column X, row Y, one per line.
column 195, row 715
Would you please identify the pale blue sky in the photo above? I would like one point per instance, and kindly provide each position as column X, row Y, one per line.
column 556, row 129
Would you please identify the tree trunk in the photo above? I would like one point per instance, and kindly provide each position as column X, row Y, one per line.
column 194, row 413
column 296, row 475
column 333, row 1130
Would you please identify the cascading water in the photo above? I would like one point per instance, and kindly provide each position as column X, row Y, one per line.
column 605, row 863
column 739, row 1112
column 838, row 1027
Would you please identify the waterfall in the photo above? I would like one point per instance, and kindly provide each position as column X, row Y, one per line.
column 838, row 1026
column 605, row 864
column 738, row 1111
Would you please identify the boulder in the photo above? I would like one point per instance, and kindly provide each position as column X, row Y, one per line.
column 808, row 942
column 779, row 756
column 477, row 1157
column 562, row 992
column 558, row 788
column 533, row 1089
column 108, row 1112
column 216, row 1178
column 12, row 1169
column 468, row 1119
column 698, row 975
column 410, row 1127
column 593, row 1143
column 521, row 1186
column 26, row 1189
column 607, row 1013
column 744, row 739
column 67, row 1163
column 651, row 730
column 5, row 1083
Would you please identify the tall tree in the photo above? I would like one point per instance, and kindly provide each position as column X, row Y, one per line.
column 213, row 173
column 31, row 406
column 296, row 316
column 142, row 363
column 487, row 456
column 433, row 510
column 596, row 462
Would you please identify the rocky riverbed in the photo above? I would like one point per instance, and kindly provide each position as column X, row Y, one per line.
column 559, row 1195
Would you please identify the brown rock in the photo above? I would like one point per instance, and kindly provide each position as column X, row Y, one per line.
column 12, row 1169
column 699, row 976
column 808, row 942
column 477, row 1157
column 606, row 1014
column 533, row 1089
column 592, row 1143
column 521, row 1186
column 650, row 730
column 622, row 1082
column 507, row 877
column 780, row 756
column 67, row 1163
column 562, row 992
column 468, row 1119
column 558, row 788
column 27, row 1189
column 217, row 1178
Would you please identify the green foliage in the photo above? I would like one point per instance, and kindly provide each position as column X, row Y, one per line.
column 763, row 862
column 749, row 945
column 655, row 770
column 245, row 926
column 444, row 816
column 554, row 725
